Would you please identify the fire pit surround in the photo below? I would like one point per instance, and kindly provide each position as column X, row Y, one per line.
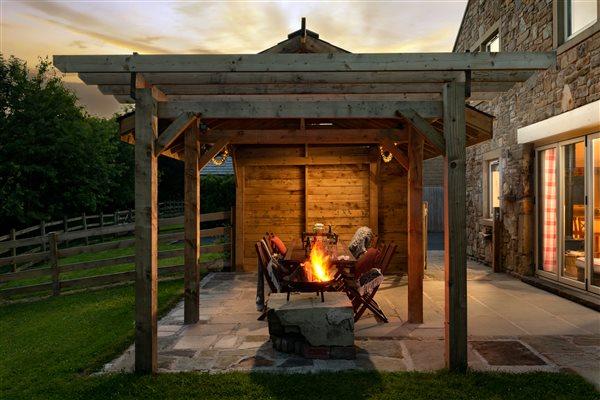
column 313, row 326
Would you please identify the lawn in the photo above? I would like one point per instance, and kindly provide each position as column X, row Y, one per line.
column 49, row 348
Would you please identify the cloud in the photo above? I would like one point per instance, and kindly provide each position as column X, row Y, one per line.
column 130, row 45
column 78, row 44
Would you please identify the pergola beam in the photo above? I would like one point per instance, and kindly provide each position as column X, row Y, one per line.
column 300, row 136
column 177, row 127
column 304, row 62
column 299, row 109
column 425, row 129
column 305, row 78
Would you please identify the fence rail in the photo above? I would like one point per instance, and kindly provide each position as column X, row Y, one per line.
column 54, row 244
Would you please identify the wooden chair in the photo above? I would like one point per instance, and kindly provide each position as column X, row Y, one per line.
column 361, row 291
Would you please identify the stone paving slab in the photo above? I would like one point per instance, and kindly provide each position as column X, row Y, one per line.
column 228, row 337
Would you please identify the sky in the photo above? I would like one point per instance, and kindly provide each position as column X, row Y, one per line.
column 33, row 29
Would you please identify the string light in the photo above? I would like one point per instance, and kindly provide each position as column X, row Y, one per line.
column 220, row 161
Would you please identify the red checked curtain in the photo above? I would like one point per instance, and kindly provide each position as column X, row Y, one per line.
column 549, row 211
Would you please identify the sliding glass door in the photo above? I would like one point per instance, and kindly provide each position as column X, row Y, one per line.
column 571, row 228
column 592, row 264
column 568, row 212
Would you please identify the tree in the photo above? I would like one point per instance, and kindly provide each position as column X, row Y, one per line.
column 55, row 160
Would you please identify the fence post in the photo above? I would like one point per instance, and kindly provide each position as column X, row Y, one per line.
column 13, row 250
column 116, row 217
column 66, row 228
column 101, row 222
column 43, row 235
column 84, row 225
column 54, row 263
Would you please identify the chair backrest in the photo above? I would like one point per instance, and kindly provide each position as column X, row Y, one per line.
column 387, row 252
column 263, row 259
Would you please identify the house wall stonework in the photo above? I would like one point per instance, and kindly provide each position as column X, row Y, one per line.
column 572, row 82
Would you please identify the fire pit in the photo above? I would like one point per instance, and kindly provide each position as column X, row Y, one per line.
column 316, row 274
column 309, row 287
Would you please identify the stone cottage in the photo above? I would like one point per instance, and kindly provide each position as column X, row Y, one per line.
column 542, row 167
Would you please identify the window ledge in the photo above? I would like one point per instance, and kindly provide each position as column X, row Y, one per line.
column 486, row 221
column 580, row 37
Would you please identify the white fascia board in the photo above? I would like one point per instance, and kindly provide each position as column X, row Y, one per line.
column 583, row 120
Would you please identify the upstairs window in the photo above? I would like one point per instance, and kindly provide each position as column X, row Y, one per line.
column 492, row 45
column 579, row 14
column 573, row 22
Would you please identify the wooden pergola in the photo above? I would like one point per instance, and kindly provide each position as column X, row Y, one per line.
column 303, row 91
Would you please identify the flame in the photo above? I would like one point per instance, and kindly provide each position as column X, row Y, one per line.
column 318, row 267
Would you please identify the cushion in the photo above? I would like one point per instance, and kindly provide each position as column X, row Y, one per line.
column 278, row 245
column 366, row 262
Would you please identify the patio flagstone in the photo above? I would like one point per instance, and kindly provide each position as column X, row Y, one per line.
column 228, row 337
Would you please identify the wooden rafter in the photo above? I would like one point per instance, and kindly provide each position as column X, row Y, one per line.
column 425, row 129
column 177, row 127
column 398, row 154
column 213, row 151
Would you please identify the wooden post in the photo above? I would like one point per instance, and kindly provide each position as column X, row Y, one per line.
column 66, row 228
column 239, row 217
column 425, row 214
column 101, row 224
column 374, row 190
column 43, row 235
column 455, row 227
column 146, row 231
column 232, row 239
column 415, row 227
column 191, row 252
column 497, row 241
column 84, row 225
column 53, row 244
column 13, row 250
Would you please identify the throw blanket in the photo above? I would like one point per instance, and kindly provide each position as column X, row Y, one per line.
column 360, row 241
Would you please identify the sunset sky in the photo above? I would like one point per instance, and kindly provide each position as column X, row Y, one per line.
column 33, row 29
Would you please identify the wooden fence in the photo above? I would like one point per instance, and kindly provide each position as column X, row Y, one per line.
column 54, row 246
column 83, row 222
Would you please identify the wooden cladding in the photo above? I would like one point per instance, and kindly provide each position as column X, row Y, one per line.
column 331, row 185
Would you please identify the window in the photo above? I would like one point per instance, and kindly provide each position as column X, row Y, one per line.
column 493, row 44
column 489, row 41
column 574, row 21
column 579, row 14
column 491, row 183
column 493, row 186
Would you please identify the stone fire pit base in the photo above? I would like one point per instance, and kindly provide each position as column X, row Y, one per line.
column 311, row 328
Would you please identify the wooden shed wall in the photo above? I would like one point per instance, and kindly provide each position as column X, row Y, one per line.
column 393, row 211
column 325, row 184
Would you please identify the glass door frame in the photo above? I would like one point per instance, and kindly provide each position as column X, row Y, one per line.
column 560, row 207
column 589, row 214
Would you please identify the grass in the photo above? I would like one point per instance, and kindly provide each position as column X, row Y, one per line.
column 48, row 348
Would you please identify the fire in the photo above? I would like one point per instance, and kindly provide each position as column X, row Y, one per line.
column 317, row 269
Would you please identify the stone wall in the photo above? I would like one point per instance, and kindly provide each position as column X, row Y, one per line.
column 574, row 81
